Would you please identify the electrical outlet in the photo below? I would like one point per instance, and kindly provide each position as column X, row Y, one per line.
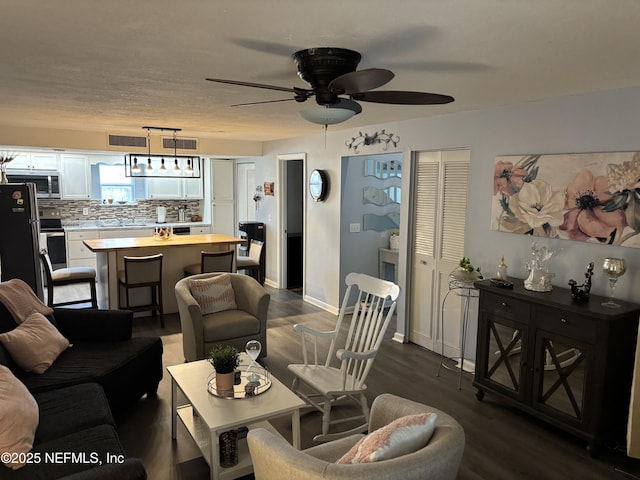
column 85, row 211
column 354, row 227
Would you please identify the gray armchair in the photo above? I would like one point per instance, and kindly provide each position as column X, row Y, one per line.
column 231, row 327
column 274, row 459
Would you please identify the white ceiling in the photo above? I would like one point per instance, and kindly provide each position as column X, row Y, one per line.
column 114, row 66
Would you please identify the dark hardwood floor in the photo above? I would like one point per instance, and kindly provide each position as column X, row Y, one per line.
column 501, row 442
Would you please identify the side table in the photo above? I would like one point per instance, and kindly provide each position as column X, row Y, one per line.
column 388, row 256
column 467, row 291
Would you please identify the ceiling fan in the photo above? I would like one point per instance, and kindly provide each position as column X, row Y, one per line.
column 338, row 87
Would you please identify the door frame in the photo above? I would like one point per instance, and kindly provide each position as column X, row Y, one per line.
column 281, row 219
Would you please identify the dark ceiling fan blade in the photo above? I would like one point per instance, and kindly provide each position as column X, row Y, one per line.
column 402, row 97
column 256, row 85
column 361, row 80
column 260, row 103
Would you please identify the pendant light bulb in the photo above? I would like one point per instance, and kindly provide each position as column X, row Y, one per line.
column 149, row 166
column 162, row 167
column 176, row 168
column 136, row 167
column 189, row 168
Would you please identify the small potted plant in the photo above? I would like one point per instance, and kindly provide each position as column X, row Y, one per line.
column 225, row 359
column 466, row 273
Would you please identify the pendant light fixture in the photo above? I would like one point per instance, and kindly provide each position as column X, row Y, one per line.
column 185, row 166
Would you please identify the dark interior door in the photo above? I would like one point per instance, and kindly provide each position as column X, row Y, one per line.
column 295, row 235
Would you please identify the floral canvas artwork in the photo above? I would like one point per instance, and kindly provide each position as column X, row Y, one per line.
column 588, row 197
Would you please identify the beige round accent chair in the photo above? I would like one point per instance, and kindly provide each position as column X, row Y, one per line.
column 210, row 313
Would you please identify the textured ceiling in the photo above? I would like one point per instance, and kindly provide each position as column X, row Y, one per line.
column 114, row 66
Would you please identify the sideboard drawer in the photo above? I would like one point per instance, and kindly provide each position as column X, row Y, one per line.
column 505, row 307
column 568, row 324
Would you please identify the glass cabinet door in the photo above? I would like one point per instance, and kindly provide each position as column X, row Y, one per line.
column 560, row 383
column 505, row 357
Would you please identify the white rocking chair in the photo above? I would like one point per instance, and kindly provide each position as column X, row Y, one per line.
column 346, row 382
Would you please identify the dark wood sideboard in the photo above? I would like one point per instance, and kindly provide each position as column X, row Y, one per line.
column 565, row 362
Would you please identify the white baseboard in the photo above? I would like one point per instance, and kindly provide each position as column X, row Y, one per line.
column 322, row 305
column 398, row 337
column 270, row 283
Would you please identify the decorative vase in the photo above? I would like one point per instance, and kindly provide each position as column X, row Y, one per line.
column 394, row 242
column 224, row 382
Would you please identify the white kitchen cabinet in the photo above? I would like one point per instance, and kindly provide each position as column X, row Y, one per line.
column 222, row 197
column 192, row 189
column 34, row 161
column 127, row 233
column 164, row 188
column 222, row 218
column 222, row 181
column 78, row 255
column 175, row 188
column 200, row 230
column 76, row 177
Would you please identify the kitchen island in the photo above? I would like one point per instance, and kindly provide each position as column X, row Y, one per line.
column 178, row 252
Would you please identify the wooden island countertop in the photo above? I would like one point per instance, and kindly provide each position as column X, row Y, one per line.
column 109, row 244
column 178, row 252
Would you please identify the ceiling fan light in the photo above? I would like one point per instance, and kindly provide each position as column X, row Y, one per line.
column 327, row 115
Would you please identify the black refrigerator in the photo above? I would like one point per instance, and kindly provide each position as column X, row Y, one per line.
column 20, row 238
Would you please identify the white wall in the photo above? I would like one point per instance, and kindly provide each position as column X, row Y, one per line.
column 592, row 122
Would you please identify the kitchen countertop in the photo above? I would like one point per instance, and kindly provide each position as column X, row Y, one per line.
column 115, row 244
column 178, row 252
column 114, row 225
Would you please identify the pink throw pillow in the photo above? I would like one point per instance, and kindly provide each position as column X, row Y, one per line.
column 403, row 435
column 214, row 294
column 35, row 343
column 19, row 417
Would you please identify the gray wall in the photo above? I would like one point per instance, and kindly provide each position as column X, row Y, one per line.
column 590, row 122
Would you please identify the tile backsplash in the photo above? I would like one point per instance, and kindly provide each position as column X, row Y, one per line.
column 71, row 210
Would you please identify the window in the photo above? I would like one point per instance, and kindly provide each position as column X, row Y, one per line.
column 114, row 184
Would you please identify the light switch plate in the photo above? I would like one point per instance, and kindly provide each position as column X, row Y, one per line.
column 354, row 227
column 85, row 211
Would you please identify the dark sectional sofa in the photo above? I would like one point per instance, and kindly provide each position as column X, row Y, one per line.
column 104, row 370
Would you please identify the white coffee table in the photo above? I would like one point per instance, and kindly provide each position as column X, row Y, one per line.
column 206, row 416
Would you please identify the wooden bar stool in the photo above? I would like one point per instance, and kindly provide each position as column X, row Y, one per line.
column 142, row 272
column 252, row 262
column 212, row 262
column 68, row 276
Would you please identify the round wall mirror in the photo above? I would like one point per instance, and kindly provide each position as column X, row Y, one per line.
column 318, row 184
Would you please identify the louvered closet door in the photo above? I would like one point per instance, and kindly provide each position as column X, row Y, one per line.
column 440, row 202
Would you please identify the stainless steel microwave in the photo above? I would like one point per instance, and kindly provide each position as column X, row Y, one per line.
column 47, row 182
